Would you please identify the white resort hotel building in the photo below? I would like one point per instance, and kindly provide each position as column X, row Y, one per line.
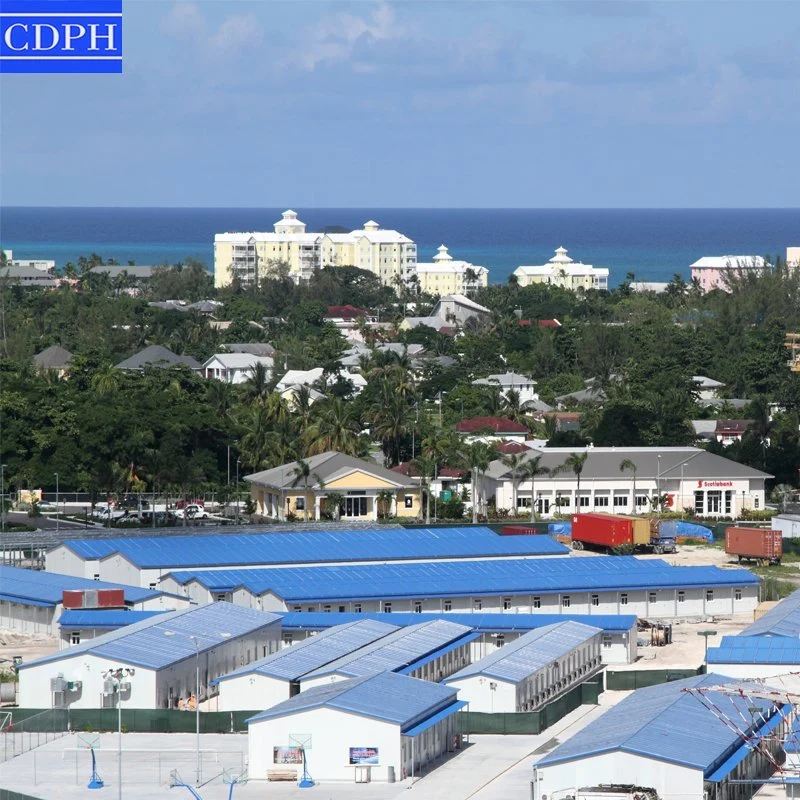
column 444, row 275
column 248, row 257
column 562, row 271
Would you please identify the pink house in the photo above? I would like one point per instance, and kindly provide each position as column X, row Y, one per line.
column 710, row 271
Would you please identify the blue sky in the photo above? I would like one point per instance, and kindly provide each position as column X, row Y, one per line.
column 420, row 104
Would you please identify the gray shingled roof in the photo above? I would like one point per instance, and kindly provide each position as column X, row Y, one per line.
column 157, row 356
column 603, row 463
column 254, row 348
column 328, row 466
column 138, row 271
column 53, row 357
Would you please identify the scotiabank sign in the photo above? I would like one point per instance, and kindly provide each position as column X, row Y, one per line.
column 714, row 484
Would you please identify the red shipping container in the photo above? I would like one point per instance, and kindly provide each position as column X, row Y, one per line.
column 601, row 530
column 72, row 598
column 757, row 544
column 519, row 530
column 111, row 598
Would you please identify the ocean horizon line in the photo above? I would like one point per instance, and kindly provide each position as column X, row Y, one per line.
column 406, row 208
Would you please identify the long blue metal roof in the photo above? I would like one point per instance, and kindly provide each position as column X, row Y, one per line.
column 99, row 619
column 399, row 650
column 380, row 544
column 386, row 696
column 665, row 723
column 755, row 650
column 291, row 663
column 36, row 587
column 166, row 639
column 782, row 620
column 465, row 578
column 519, row 659
column 480, row 621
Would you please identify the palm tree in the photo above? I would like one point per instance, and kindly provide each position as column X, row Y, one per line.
column 335, row 426
column 530, row 471
column 106, row 380
column 575, row 462
column 384, row 498
column 512, row 406
column 257, row 385
column 626, row 463
column 478, row 456
column 302, row 472
column 425, row 468
column 513, row 461
column 334, row 502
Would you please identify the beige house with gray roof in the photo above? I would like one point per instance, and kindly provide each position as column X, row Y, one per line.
column 279, row 493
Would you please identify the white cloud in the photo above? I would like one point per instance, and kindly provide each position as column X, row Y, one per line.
column 185, row 20
column 236, row 32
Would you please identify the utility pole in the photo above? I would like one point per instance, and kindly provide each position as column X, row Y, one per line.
column 57, row 521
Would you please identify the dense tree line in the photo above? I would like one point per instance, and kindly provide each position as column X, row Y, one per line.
column 105, row 430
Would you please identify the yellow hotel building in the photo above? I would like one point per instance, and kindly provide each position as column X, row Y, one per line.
column 562, row 271
column 446, row 276
column 250, row 256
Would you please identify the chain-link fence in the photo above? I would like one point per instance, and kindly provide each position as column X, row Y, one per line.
column 139, row 766
column 31, row 731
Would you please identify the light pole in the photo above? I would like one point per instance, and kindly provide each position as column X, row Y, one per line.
column 2, row 498
column 238, row 461
column 705, row 635
column 196, row 644
column 115, row 675
column 56, row 474
column 658, row 486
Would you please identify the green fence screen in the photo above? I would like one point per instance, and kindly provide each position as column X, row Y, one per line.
column 135, row 720
column 624, row 680
column 530, row 722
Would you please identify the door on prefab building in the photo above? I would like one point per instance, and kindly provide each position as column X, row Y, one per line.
column 355, row 506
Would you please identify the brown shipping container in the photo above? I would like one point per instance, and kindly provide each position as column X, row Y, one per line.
column 760, row 544
column 519, row 530
column 602, row 530
column 641, row 531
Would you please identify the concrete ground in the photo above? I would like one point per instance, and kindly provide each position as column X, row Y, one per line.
column 488, row 768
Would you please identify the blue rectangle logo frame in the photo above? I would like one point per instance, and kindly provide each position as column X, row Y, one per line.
column 52, row 36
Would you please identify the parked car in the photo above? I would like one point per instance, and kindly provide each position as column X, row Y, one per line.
column 192, row 511
column 46, row 506
column 108, row 514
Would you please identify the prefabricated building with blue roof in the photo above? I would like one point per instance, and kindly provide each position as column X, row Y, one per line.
column 151, row 556
column 30, row 599
column 680, row 739
column 649, row 588
column 156, row 657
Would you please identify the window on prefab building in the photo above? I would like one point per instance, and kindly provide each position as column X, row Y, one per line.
column 737, row 594
column 500, row 639
column 387, row 608
column 681, row 597
column 300, row 503
column 601, row 501
column 652, row 597
column 326, row 608
column 623, row 599
column 641, row 500
column 477, row 604
column 583, row 501
column 356, row 608
column 620, row 500
column 506, row 603
column 417, row 606
column 709, row 595
column 595, row 599
column 565, row 601
column 448, row 605
column 537, row 602
column 75, row 637
column 606, row 640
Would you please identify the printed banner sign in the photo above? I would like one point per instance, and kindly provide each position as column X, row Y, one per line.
column 364, row 755
column 287, row 755
column 72, row 36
